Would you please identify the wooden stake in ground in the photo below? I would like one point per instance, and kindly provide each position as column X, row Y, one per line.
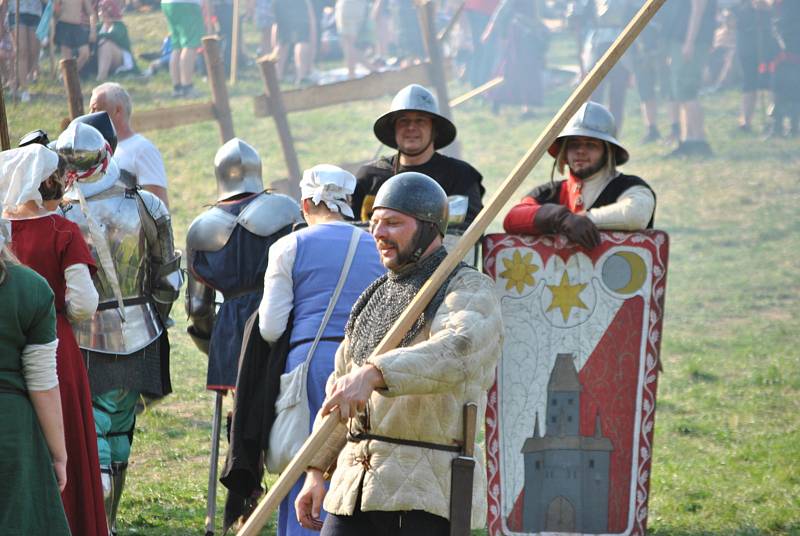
column 468, row 239
column 219, row 91
column 234, row 44
column 269, row 73
column 16, row 50
column 5, row 141
column 72, row 84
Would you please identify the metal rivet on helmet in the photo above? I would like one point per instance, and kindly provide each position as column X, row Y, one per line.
column 592, row 120
column 416, row 195
column 414, row 98
column 238, row 169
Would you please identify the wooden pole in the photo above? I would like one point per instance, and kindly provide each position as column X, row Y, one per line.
column 235, row 43
column 269, row 73
column 5, row 141
column 51, row 44
column 219, row 91
column 465, row 243
column 16, row 50
column 461, row 99
column 427, row 13
column 72, row 84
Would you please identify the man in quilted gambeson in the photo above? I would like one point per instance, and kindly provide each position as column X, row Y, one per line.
column 402, row 410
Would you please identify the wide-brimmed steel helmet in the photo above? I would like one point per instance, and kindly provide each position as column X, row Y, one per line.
column 238, row 169
column 85, row 150
column 102, row 122
column 416, row 195
column 414, row 98
column 592, row 120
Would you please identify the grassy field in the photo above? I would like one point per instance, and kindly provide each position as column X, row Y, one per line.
column 727, row 440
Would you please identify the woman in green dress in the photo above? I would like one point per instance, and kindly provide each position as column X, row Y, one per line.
column 33, row 457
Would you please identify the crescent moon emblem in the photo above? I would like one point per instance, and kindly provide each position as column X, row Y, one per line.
column 624, row 272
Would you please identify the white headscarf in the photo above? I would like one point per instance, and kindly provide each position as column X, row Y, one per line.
column 22, row 170
column 328, row 184
column 5, row 232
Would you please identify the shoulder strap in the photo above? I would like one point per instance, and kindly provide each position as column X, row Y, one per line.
column 348, row 261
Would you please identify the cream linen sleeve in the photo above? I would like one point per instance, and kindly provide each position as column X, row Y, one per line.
column 80, row 296
column 278, row 298
column 631, row 212
column 39, row 366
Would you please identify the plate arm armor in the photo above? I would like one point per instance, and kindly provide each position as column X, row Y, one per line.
column 165, row 277
column 201, row 310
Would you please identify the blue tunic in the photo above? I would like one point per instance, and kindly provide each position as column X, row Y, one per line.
column 236, row 270
column 321, row 250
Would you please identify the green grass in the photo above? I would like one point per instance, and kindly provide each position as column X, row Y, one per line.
column 727, row 439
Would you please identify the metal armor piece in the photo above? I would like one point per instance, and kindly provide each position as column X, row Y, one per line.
column 414, row 98
column 238, row 169
column 592, row 120
column 201, row 308
column 165, row 276
column 417, row 195
column 116, row 210
column 118, row 471
column 83, row 147
column 264, row 216
column 102, row 122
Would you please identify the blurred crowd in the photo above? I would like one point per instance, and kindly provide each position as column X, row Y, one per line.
column 691, row 48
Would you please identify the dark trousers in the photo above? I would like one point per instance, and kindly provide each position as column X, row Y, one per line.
column 412, row 523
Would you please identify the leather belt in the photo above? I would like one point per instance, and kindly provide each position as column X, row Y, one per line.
column 363, row 436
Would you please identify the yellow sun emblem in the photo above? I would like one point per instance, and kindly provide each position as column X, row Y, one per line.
column 518, row 271
column 566, row 296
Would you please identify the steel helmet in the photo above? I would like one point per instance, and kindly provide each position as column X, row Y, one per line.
column 416, row 195
column 102, row 122
column 592, row 120
column 84, row 148
column 415, row 98
column 238, row 169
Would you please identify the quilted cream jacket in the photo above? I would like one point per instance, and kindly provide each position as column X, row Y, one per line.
column 451, row 362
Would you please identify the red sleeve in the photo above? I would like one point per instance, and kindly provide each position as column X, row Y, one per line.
column 74, row 248
column 519, row 219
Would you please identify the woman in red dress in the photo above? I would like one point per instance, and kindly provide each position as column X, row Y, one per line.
column 31, row 184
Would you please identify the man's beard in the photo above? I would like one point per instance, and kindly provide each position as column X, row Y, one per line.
column 402, row 257
column 589, row 171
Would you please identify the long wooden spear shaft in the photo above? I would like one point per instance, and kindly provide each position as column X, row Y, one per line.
column 472, row 234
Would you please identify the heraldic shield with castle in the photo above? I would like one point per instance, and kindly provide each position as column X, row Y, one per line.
column 569, row 423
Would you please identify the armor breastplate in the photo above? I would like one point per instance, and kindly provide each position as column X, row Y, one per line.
column 117, row 214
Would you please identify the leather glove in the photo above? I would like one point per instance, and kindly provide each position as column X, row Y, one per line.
column 581, row 230
column 549, row 218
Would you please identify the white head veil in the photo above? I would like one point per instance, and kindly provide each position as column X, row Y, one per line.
column 325, row 183
column 22, row 170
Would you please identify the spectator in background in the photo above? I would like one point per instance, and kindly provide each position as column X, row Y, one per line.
column 30, row 12
column 408, row 35
column 262, row 10
column 33, row 455
column 786, row 67
column 294, row 28
column 76, row 27
column 186, row 25
column 652, row 77
column 351, row 19
column 689, row 26
column 134, row 153
column 525, row 39
column 481, row 62
column 6, row 49
column 755, row 47
column 114, row 54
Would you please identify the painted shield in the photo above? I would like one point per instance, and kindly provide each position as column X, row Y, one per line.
column 569, row 423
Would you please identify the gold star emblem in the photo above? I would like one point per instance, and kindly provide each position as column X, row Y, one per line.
column 566, row 296
column 518, row 271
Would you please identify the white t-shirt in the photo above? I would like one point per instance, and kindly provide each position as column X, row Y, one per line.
column 139, row 156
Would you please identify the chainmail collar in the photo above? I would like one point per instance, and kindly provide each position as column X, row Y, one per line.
column 382, row 303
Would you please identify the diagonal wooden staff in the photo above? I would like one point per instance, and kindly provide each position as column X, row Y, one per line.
column 468, row 239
